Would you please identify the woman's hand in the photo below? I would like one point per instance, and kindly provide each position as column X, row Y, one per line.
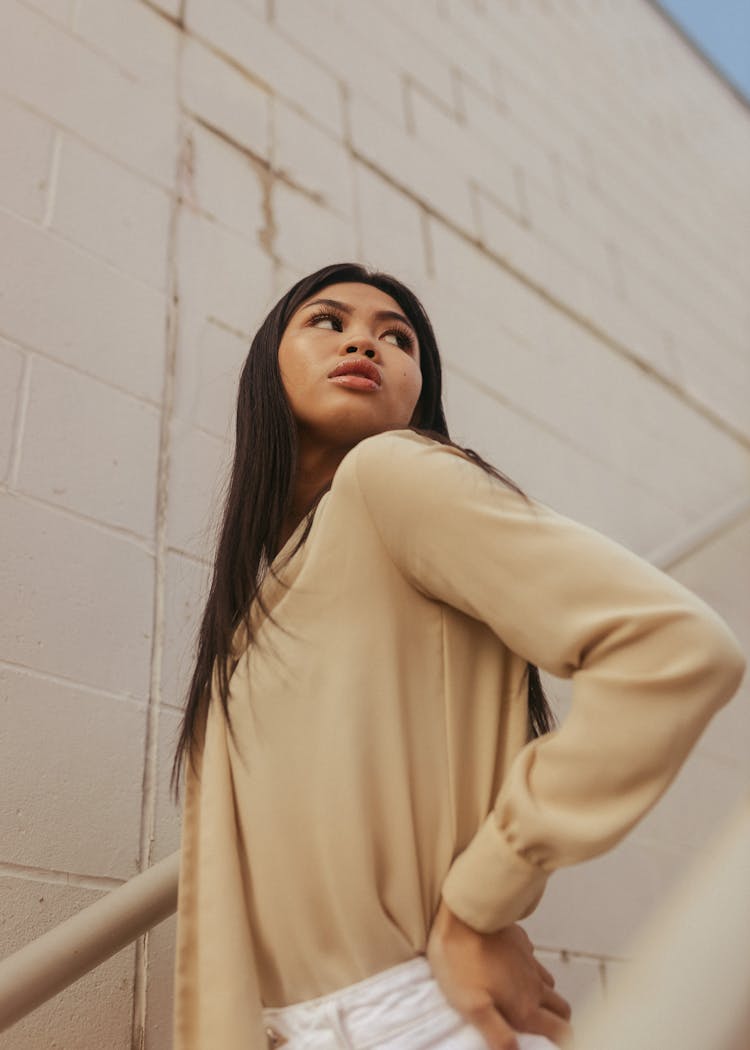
column 495, row 983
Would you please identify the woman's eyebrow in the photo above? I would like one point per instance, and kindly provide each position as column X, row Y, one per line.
column 379, row 315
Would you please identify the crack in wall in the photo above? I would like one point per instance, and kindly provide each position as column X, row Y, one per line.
column 267, row 233
column 175, row 20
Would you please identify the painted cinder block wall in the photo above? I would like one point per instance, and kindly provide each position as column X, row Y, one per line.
column 565, row 184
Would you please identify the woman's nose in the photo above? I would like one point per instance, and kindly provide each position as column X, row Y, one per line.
column 368, row 351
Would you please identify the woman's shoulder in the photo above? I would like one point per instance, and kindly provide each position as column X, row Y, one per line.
column 395, row 470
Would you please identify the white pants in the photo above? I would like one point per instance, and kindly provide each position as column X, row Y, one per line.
column 401, row 1008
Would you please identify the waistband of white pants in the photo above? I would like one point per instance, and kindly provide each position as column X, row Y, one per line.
column 373, row 1005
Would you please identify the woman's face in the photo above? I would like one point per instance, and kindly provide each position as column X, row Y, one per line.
column 341, row 411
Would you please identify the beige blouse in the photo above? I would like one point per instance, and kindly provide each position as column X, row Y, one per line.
column 381, row 757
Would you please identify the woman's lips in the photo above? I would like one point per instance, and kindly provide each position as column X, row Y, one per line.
column 356, row 382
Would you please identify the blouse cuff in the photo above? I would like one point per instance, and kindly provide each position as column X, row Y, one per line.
column 489, row 886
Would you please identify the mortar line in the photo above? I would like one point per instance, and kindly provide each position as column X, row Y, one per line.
column 84, row 688
column 604, row 976
column 120, row 532
column 194, row 559
column 57, row 877
column 68, row 29
column 476, row 212
column 72, row 366
column 459, row 102
column 428, row 253
column 406, row 104
column 91, row 144
column 19, row 421
column 75, row 14
column 707, row 531
column 265, row 175
column 151, row 744
column 552, row 300
column 52, row 179
column 102, row 261
column 105, row 262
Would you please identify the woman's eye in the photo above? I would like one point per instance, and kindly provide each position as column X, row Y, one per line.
column 403, row 339
column 324, row 317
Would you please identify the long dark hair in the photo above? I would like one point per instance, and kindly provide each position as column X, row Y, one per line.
column 260, row 491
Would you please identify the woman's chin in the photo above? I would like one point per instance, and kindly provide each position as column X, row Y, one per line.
column 347, row 428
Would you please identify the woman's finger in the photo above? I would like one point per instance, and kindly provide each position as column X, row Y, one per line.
column 546, row 975
column 555, row 1002
column 496, row 1031
column 544, row 1022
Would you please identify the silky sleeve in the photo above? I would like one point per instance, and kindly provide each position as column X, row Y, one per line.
column 650, row 661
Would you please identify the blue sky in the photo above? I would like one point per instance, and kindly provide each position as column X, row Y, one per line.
column 721, row 29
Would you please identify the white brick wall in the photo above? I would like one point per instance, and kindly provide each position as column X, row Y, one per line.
column 134, row 37
column 340, row 35
column 565, row 186
column 312, row 159
column 59, row 817
column 390, row 226
column 26, row 149
column 121, row 218
column 220, row 96
column 81, row 597
column 224, row 182
column 110, row 448
column 267, row 58
column 119, row 335
column 80, row 89
column 419, row 170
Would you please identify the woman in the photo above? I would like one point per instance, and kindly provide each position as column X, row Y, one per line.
column 373, row 798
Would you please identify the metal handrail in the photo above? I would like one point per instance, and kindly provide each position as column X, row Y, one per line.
column 61, row 956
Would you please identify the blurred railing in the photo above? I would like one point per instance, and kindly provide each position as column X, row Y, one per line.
column 690, row 986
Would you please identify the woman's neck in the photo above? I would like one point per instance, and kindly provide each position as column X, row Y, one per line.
column 315, row 469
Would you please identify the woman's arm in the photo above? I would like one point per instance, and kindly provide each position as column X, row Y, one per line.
column 650, row 661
